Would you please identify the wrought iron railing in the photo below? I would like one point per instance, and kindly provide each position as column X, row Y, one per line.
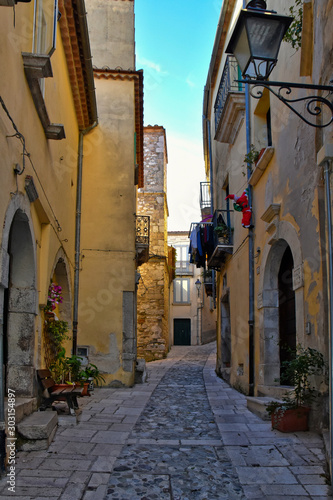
column 142, row 229
column 205, row 195
column 231, row 72
column 183, row 267
column 223, row 226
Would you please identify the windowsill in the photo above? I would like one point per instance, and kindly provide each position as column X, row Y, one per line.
column 37, row 66
column 261, row 165
column 181, row 303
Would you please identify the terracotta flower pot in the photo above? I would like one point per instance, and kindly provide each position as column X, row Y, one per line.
column 292, row 420
column 85, row 387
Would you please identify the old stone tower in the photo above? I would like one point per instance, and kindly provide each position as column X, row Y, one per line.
column 153, row 289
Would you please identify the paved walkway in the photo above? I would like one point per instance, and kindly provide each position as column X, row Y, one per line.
column 183, row 435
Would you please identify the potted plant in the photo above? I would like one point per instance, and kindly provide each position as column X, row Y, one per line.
column 60, row 368
column 292, row 413
column 58, row 331
column 54, row 298
column 222, row 232
column 92, row 375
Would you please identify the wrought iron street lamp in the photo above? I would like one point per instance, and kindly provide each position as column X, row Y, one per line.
column 198, row 285
column 255, row 42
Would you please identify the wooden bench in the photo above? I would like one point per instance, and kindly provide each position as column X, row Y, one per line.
column 53, row 393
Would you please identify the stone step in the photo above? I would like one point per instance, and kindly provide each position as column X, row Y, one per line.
column 23, row 408
column 258, row 405
column 36, row 431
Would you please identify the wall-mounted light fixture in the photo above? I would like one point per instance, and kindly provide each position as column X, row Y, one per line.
column 255, row 42
column 198, row 285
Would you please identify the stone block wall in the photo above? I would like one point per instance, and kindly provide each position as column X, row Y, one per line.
column 153, row 288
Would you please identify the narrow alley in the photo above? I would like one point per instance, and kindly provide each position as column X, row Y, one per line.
column 182, row 435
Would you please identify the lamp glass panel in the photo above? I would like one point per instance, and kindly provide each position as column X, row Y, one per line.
column 241, row 50
column 265, row 36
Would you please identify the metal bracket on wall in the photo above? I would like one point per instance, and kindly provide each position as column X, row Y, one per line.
column 314, row 103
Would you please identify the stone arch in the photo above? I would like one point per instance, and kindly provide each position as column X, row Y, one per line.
column 62, row 273
column 268, row 303
column 18, row 296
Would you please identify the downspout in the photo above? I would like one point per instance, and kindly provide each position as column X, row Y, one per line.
column 89, row 80
column 210, row 156
column 251, row 245
column 78, row 234
column 327, row 172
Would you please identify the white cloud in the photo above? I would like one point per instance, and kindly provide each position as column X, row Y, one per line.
column 189, row 82
column 151, row 65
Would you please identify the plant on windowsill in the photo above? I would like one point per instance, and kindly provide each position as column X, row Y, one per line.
column 292, row 413
column 251, row 158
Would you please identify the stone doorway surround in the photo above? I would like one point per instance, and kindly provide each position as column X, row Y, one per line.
column 18, row 275
column 282, row 234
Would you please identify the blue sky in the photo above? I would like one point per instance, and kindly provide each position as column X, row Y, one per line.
column 174, row 43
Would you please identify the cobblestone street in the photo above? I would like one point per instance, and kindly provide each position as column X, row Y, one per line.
column 182, row 435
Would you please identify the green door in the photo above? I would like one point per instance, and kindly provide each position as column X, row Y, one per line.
column 182, row 332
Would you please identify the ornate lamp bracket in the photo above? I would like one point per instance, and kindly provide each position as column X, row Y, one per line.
column 315, row 104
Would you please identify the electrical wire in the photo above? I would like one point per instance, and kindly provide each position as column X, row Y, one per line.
column 27, row 154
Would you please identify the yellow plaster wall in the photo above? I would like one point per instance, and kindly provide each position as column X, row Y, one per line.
column 53, row 164
column 108, row 228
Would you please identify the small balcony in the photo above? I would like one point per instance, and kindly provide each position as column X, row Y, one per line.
column 223, row 238
column 184, row 268
column 142, row 238
column 230, row 103
column 205, row 199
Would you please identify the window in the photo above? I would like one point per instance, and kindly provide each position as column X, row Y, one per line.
column 182, row 259
column 262, row 122
column 181, row 290
column 45, row 19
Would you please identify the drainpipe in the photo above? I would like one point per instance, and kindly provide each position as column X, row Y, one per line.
column 78, row 234
column 251, row 246
column 211, row 175
column 324, row 159
column 327, row 172
column 90, row 89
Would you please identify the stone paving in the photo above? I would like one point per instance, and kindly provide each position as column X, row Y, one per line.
column 183, row 435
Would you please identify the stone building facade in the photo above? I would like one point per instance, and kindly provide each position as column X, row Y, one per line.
column 271, row 286
column 153, row 288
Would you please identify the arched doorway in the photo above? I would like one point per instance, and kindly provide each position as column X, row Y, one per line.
column 20, row 308
column 280, row 288
column 287, row 312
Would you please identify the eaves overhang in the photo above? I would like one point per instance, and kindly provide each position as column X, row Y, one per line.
column 75, row 38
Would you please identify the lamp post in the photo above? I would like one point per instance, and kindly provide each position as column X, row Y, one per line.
column 198, row 285
column 255, row 42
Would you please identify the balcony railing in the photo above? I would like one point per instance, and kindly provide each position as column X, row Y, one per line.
column 183, row 267
column 223, row 238
column 233, row 108
column 205, row 199
column 213, row 240
column 142, row 238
